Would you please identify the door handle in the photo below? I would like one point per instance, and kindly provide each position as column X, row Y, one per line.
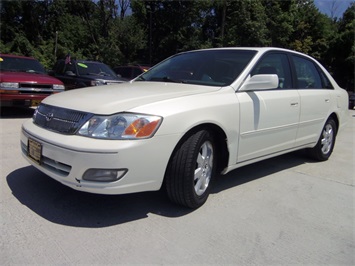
column 294, row 104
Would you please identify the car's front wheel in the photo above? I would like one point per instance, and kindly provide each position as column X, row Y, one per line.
column 191, row 170
column 325, row 145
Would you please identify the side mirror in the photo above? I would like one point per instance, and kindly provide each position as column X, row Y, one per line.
column 51, row 72
column 260, row 82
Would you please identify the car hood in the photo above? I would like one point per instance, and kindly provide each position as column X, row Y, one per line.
column 111, row 99
column 24, row 77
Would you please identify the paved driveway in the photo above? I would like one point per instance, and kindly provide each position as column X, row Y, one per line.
column 286, row 210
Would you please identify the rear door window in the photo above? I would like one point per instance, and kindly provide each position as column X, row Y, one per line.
column 307, row 74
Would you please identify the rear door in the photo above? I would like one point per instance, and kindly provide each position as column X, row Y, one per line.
column 315, row 95
column 269, row 118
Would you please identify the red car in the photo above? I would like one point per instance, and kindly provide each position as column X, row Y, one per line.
column 24, row 81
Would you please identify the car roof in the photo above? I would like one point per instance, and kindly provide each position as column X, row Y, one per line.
column 83, row 61
column 16, row 56
column 261, row 50
column 133, row 65
column 246, row 48
column 257, row 49
column 88, row 61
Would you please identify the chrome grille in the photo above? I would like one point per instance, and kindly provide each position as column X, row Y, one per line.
column 36, row 86
column 59, row 119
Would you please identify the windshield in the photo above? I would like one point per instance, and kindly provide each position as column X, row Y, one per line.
column 14, row 64
column 95, row 69
column 207, row 67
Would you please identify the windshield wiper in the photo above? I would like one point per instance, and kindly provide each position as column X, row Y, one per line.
column 35, row 72
column 27, row 71
column 9, row 70
column 99, row 74
column 167, row 79
column 92, row 74
column 140, row 79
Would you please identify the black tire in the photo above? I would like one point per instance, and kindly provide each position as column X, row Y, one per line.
column 191, row 170
column 326, row 142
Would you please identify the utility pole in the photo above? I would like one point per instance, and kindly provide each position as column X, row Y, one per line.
column 56, row 46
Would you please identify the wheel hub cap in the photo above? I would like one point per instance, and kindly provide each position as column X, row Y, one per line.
column 203, row 170
column 327, row 140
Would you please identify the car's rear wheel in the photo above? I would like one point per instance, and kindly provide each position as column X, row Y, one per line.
column 325, row 145
column 191, row 170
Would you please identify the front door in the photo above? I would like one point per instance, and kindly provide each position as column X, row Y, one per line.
column 269, row 119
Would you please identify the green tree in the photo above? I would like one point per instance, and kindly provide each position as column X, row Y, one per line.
column 312, row 30
column 341, row 54
column 100, row 29
column 280, row 21
column 242, row 23
column 171, row 26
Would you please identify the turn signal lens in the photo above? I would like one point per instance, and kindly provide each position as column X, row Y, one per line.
column 141, row 128
column 148, row 129
column 9, row 91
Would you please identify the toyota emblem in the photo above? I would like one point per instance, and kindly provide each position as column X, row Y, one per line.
column 49, row 117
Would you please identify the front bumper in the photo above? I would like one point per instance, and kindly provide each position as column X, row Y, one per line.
column 21, row 99
column 66, row 159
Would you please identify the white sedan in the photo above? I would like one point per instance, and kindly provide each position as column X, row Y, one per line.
column 192, row 117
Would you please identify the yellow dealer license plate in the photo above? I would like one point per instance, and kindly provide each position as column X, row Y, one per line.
column 34, row 150
column 35, row 103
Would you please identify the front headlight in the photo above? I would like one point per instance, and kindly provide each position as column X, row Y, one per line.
column 58, row 87
column 9, row 85
column 121, row 126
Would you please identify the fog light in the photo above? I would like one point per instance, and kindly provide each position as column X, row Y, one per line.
column 104, row 175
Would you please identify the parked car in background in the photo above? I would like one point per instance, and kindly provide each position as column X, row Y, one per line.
column 351, row 99
column 24, row 81
column 188, row 119
column 84, row 73
column 131, row 71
